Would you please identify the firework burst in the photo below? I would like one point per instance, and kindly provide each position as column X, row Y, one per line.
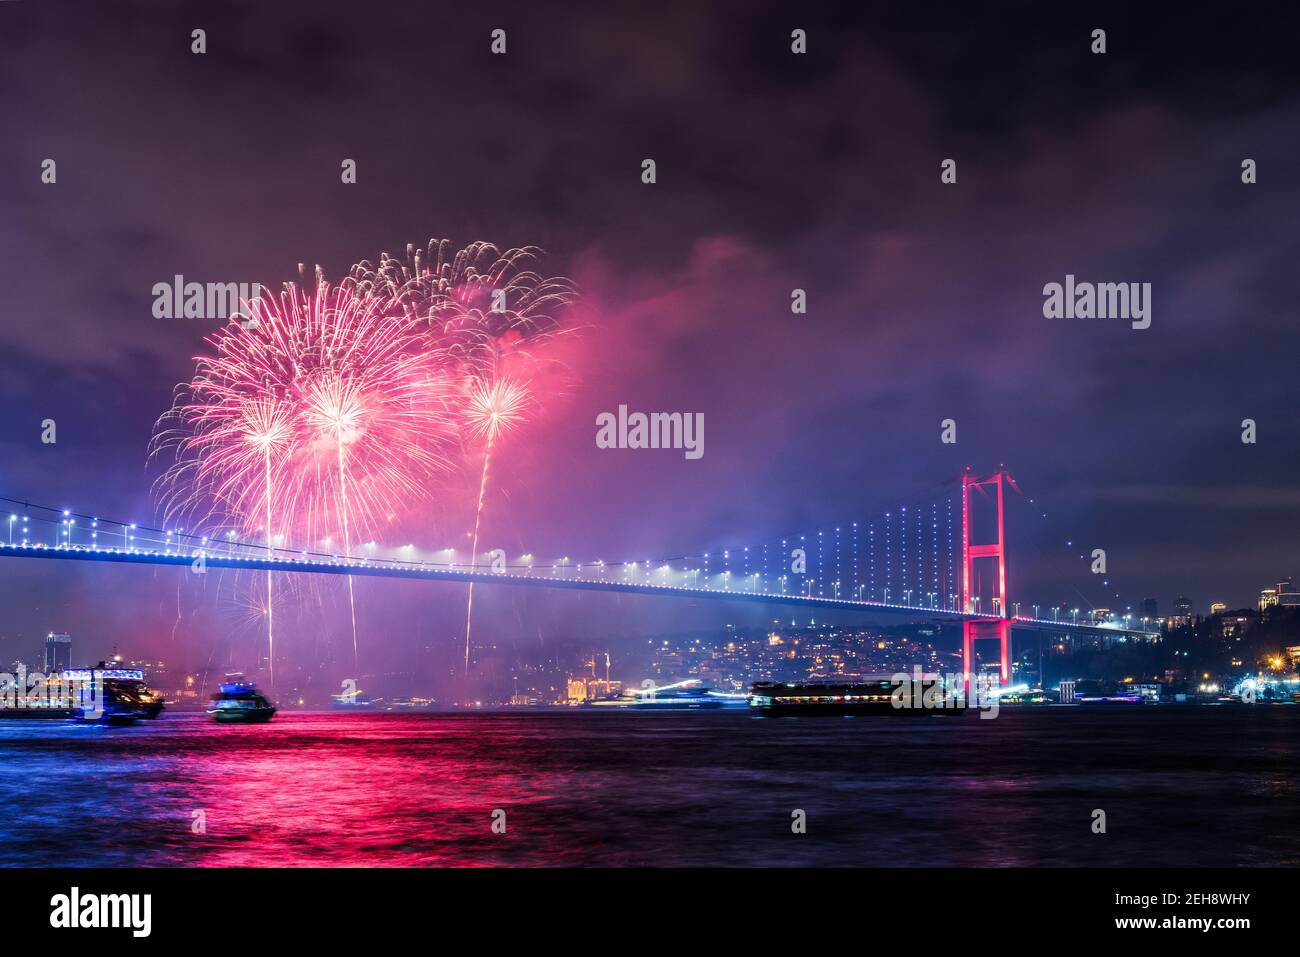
column 492, row 408
column 327, row 417
column 338, row 408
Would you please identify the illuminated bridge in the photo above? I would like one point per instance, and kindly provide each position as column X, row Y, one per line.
column 918, row 564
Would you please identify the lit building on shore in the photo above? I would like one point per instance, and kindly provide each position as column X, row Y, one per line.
column 582, row 688
column 1283, row 594
column 58, row 653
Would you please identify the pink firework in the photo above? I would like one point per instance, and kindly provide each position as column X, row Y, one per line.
column 322, row 420
column 343, row 399
column 335, row 410
column 492, row 408
column 477, row 304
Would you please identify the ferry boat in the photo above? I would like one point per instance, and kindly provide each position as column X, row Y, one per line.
column 239, row 701
column 124, row 683
column 126, row 695
column 116, row 696
column 875, row 695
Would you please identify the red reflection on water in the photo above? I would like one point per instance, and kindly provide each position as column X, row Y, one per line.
column 363, row 791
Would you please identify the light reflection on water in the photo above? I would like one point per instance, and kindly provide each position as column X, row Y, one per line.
column 1180, row 787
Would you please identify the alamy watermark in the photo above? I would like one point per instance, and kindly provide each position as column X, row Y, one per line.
column 651, row 430
column 75, row 909
column 1102, row 300
column 179, row 299
column 35, row 691
column 946, row 692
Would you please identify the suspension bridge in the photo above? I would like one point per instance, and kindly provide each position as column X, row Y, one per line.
column 923, row 561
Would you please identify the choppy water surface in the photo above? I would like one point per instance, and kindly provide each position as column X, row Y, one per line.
column 1179, row 785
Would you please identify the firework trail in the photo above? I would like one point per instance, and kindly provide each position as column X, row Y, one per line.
column 492, row 409
column 326, row 417
column 268, row 428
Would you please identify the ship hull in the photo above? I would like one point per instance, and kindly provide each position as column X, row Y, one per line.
column 243, row 716
column 849, row 710
column 36, row 714
column 885, row 696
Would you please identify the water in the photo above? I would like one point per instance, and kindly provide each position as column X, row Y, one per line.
column 1180, row 786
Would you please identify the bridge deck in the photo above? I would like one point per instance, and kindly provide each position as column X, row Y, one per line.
column 421, row 571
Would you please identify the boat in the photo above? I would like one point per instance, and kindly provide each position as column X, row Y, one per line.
column 680, row 696
column 351, row 701
column 870, row 696
column 102, row 694
column 129, row 683
column 239, row 701
column 119, row 700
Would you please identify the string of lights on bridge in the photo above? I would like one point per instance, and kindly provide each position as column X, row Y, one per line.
column 906, row 560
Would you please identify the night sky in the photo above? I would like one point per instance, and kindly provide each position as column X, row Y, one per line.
column 775, row 171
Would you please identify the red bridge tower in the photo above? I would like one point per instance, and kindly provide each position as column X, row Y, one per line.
column 997, row 624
